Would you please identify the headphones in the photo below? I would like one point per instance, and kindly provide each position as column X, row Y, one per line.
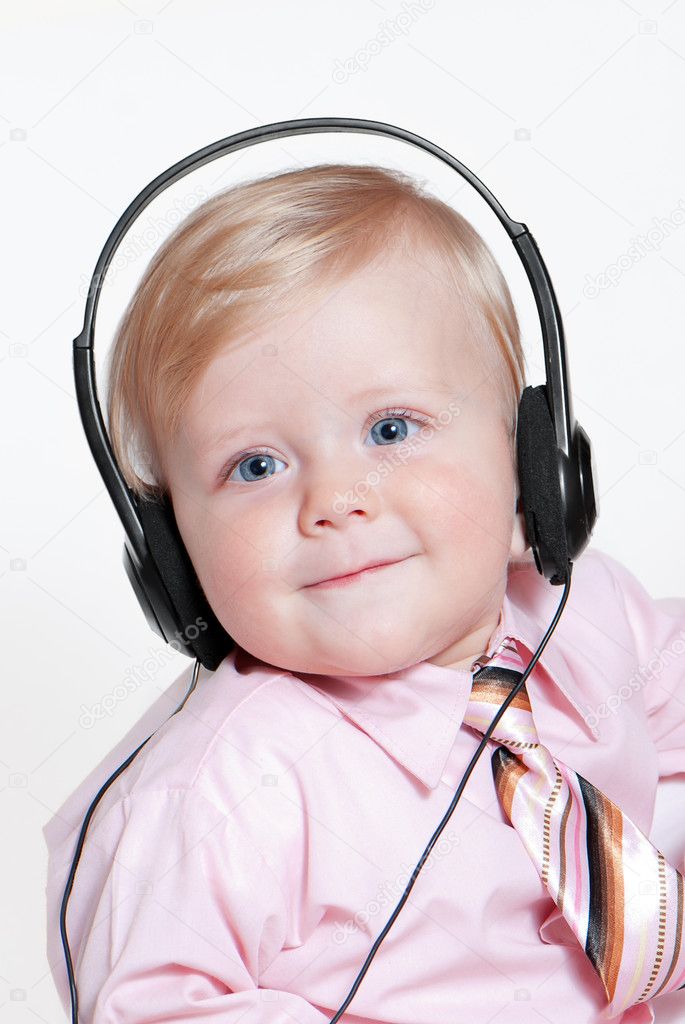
column 556, row 474
column 556, row 477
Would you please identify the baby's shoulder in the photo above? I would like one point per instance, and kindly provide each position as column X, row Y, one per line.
column 597, row 587
column 597, row 635
column 240, row 760
column 237, row 731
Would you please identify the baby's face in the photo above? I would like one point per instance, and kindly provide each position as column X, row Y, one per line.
column 338, row 489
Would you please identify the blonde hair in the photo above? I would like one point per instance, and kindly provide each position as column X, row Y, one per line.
column 252, row 252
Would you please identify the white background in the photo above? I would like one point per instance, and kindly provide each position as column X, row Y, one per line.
column 572, row 114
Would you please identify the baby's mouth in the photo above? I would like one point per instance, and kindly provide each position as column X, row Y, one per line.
column 349, row 579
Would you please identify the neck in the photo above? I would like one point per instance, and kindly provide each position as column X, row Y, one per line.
column 463, row 653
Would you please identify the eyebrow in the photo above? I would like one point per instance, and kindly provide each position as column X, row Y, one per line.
column 438, row 387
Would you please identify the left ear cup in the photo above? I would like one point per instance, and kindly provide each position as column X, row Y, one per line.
column 539, row 479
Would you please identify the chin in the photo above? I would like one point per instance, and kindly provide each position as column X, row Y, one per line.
column 373, row 666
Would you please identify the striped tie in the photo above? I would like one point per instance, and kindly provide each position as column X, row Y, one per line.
column 618, row 893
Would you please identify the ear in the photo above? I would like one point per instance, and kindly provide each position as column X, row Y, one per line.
column 519, row 539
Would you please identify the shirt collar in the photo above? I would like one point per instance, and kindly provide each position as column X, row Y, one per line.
column 415, row 714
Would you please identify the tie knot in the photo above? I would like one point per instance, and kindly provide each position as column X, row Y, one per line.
column 490, row 686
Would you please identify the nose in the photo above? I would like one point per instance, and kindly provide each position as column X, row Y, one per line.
column 335, row 492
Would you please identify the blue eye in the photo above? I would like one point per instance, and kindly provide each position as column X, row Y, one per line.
column 256, row 463
column 258, row 460
column 393, row 416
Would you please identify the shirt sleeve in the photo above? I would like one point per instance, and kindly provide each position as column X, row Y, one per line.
column 178, row 915
column 658, row 628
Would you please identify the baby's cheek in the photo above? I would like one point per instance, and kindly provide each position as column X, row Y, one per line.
column 245, row 558
column 471, row 514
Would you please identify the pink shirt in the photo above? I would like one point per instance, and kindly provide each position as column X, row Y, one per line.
column 242, row 866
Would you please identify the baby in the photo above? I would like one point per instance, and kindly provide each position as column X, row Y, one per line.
column 395, row 331
column 322, row 370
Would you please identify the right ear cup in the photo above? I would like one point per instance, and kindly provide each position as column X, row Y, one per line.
column 540, row 485
column 170, row 592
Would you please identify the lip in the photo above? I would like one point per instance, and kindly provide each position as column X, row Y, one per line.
column 346, row 580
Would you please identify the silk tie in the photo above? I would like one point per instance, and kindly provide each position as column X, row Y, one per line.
column 620, row 896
